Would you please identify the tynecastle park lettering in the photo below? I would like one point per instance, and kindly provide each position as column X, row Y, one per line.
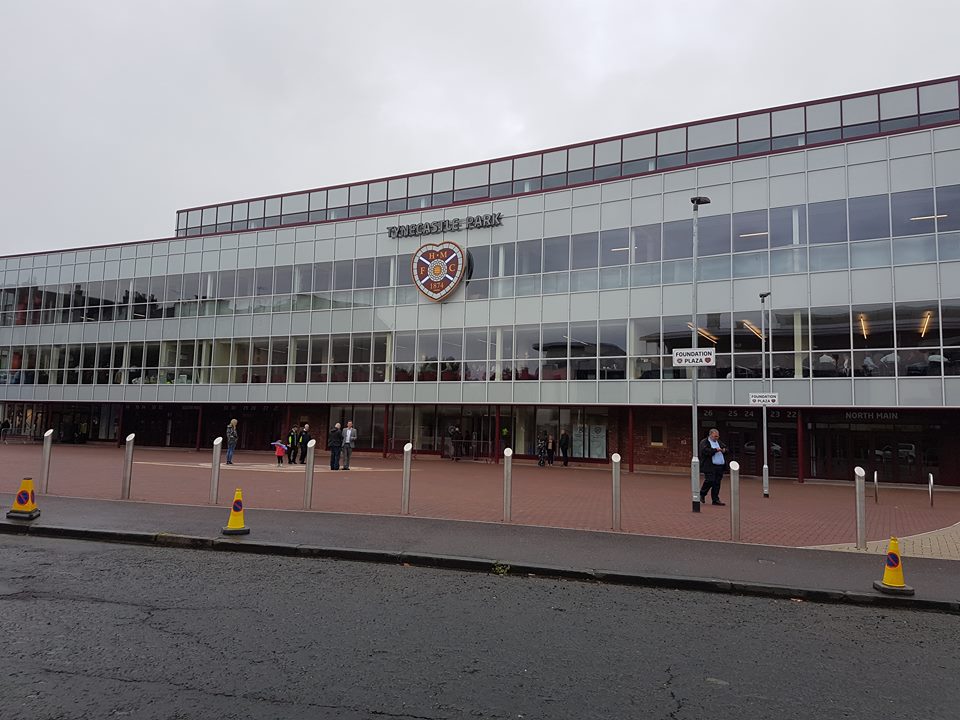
column 441, row 226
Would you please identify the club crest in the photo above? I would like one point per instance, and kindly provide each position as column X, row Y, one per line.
column 438, row 269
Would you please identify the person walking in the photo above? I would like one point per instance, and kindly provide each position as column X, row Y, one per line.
column 335, row 443
column 349, row 441
column 712, row 463
column 551, row 449
column 564, row 446
column 232, row 438
column 303, row 440
column 293, row 441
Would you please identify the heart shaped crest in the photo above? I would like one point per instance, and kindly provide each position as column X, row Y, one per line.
column 438, row 269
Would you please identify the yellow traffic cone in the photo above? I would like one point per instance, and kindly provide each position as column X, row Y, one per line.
column 25, row 504
column 892, row 582
column 235, row 525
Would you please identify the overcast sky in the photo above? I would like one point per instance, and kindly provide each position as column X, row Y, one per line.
column 114, row 114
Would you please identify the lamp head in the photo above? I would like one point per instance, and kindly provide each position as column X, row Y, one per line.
column 699, row 200
column 764, row 295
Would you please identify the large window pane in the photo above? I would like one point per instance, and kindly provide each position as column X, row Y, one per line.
column 502, row 260
column 342, row 274
column 918, row 324
column 788, row 226
column 828, row 222
column 833, row 257
column 583, row 251
column 912, row 212
column 872, row 326
column 869, row 254
column 556, row 254
column 948, row 208
column 869, row 217
column 677, row 239
column 614, row 247
column 646, row 243
column 750, row 264
column 830, row 327
column 713, row 235
column 750, row 230
column 529, row 255
column 907, row 250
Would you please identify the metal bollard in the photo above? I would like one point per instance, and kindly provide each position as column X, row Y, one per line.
column 735, row 501
column 930, row 487
column 507, row 484
column 615, row 461
column 405, row 492
column 695, row 482
column 860, row 488
column 215, row 471
column 45, row 462
column 876, row 488
column 127, row 468
column 308, row 478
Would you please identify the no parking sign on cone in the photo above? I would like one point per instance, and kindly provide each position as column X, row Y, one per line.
column 235, row 524
column 25, row 503
column 892, row 582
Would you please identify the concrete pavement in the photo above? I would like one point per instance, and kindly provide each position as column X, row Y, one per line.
column 589, row 555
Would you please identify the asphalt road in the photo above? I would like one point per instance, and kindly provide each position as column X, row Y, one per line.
column 94, row 630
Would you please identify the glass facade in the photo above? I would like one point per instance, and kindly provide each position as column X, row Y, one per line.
column 847, row 211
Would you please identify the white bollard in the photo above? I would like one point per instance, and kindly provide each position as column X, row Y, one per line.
column 215, row 471
column 876, row 488
column 615, row 462
column 127, row 468
column 695, row 482
column 507, row 484
column 860, row 490
column 308, row 477
column 405, row 490
column 45, row 462
column 930, row 487
column 735, row 501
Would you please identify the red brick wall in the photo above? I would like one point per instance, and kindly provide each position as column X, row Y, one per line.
column 675, row 452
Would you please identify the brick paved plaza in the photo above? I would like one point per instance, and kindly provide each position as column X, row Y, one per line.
column 811, row 514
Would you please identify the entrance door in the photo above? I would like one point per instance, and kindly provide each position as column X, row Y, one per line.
column 897, row 456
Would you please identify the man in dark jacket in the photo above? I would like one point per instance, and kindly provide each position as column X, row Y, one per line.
column 335, row 442
column 564, row 445
column 293, row 441
column 713, row 460
column 303, row 440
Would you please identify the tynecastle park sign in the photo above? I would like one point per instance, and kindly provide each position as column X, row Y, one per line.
column 442, row 226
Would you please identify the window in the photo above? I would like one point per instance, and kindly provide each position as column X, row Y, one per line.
column 750, row 230
column 677, row 239
column 788, row 226
column 828, row 222
column 556, row 254
column 948, row 208
column 614, row 247
column 646, row 243
column 656, row 435
column 713, row 235
column 869, row 217
column 912, row 212
column 583, row 251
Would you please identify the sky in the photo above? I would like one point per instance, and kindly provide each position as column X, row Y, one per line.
column 114, row 114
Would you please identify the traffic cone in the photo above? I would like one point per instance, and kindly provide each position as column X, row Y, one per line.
column 25, row 504
column 235, row 524
column 892, row 582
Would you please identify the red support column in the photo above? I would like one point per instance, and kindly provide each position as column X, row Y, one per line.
column 199, row 426
column 630, row 438
column 386, row 429
column 496, row 441
column 801, row 449
column 120, row 427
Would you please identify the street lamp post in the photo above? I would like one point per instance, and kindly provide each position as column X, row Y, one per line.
column 763, row 387
column 695, row 434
